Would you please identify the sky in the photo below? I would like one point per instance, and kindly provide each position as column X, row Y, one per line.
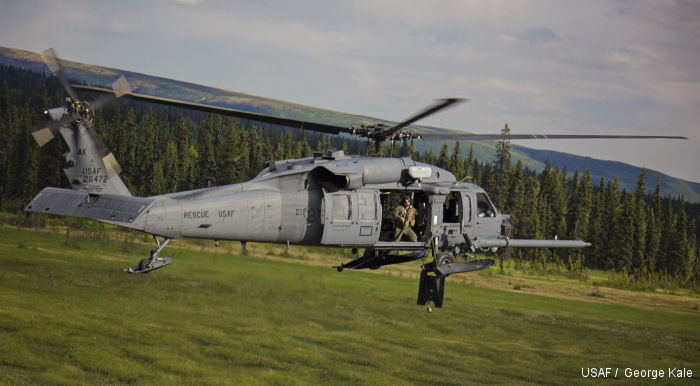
column 569, row 67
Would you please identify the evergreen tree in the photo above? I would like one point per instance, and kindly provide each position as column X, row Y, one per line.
column 128, row 150
column 610, row 219
column 579, row 226
column 503, row 149
column 530, row 221
column 305, row 148
column 668, row 220
column 171, row 168
column 429, row 156
column 158, row 183
column 230, row 150
column 183, row 145
column 266, row 150
column 573, row 203
column 554, row 199
column 623, row 258
column 114, row 140
column 456, row 164
column 243, row 160
column 147, row 154
column 584, row 206
column 207, row 159
column 443, row 160
column 516, row 195
column 640, row 224
column 12, row 160
column 30, row 169
column 678, row 248
column 289, row 146
column 594, row 254
column 189, row 168
column 654, row 228
column 503, row 170
column 219, row 131
column 469, row 167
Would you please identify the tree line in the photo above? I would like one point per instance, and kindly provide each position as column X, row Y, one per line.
column 649, row 238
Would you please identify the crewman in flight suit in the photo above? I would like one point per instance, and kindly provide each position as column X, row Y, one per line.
column 404, row 219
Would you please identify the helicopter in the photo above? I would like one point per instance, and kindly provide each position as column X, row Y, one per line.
column 329, row 199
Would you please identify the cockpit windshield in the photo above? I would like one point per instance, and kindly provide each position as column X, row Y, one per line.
column 484, row 206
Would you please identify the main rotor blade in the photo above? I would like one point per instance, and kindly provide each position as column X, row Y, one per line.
column 443, row 103
column 51, row 59
column 498, row 137
column 103, row 100
column 120, row 87
column 306, row 125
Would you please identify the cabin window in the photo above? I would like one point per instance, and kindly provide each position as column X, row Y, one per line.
column 452, row 208
column 484, row 206
column 367, row 206
column 341, row 207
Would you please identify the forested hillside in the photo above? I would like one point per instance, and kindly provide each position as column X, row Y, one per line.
column 649, row 240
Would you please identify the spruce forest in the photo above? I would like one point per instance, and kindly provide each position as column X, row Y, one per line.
column 644, row 238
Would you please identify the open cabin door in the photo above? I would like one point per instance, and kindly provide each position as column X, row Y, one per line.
column 351, row 217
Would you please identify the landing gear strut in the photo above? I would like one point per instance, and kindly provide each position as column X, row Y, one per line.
column 154, row 261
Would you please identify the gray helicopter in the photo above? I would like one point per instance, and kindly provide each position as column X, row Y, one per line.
column 331, row 199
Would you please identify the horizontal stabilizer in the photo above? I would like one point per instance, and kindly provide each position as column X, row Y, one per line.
column 78, row 203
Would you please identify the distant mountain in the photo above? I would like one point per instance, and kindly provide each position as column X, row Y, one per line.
column 485, row 151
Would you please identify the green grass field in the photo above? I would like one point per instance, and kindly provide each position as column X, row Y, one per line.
column 68, row 314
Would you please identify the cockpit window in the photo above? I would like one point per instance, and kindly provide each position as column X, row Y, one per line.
column 484, row 206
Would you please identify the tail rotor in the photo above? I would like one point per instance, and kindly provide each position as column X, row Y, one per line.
column 90, row 164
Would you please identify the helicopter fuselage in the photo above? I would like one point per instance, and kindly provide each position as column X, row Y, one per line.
column 335, row 200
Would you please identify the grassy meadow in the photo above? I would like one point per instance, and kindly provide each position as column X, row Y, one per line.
column 68, row 314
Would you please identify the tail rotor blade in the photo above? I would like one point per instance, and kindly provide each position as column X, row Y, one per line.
column 43, row 135
column 49, row 57
column 45, row 132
